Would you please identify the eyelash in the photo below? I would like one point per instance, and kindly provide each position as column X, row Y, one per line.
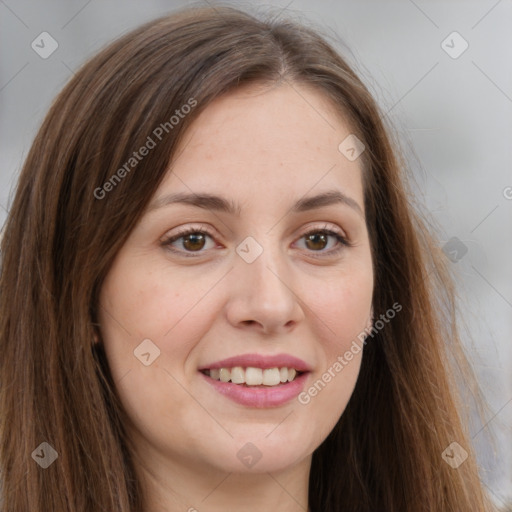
column 194, row 254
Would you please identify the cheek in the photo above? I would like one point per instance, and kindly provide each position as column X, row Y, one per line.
column 139, row 304
column 326, row 397
column 340, row 311
column 340, row 351
column 146, row 300
column 342, row 306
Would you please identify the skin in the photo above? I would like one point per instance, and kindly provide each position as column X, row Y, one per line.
column 264, row 148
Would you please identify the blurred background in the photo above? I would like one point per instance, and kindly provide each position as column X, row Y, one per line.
column 442, row 74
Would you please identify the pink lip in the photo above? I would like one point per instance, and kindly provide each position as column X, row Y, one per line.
column 259, row 397
column 260, row 361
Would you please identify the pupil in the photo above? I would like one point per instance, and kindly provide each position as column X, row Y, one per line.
column 315, row 237
column 191, row 241
column 194, row 238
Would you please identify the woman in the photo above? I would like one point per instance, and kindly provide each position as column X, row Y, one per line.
column 216, row 295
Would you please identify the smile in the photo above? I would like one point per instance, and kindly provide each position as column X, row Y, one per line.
column 257, row 380
column 251, row 376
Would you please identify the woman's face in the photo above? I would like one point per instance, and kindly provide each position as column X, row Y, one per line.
column 260, row 282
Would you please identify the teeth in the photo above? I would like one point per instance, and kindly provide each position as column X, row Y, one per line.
column 237, row 375
column 225, row 375
column 254, row 376
column 271, row 377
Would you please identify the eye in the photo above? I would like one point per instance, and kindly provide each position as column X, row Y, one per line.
column 318, row 239
column 193, row 241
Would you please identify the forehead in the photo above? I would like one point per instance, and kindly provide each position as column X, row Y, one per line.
column 260, row 142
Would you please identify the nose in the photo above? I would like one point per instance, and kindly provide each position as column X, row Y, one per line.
column 264, row 295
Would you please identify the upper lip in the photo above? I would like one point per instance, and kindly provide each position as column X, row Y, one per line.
column 260, row 361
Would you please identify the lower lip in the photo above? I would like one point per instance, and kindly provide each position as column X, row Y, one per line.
column 273, row 396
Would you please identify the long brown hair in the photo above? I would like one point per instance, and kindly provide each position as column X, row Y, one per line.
column 66, row 226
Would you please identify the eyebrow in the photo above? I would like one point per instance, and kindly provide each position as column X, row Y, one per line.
column 218, row 203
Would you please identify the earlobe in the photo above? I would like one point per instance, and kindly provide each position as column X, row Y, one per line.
column 96, row 336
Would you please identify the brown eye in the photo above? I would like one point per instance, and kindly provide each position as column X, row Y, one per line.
column 324, row 242
column 193, row 241
column 316, row 241
column 189, row 242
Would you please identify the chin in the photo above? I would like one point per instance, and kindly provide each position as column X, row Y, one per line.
column 261, row 454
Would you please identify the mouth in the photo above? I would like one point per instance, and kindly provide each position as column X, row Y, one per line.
column 252, row 377
column 258, row 380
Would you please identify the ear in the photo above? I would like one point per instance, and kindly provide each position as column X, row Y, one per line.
column 96, row 335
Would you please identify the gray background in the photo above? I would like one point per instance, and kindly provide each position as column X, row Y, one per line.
column 452, row 115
